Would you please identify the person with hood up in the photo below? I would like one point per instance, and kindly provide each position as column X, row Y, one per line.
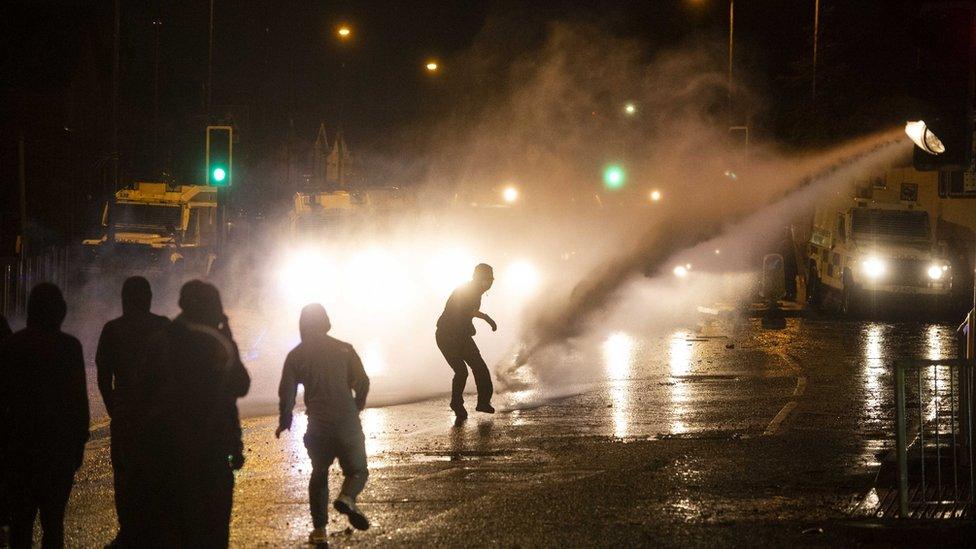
column 43, row 418
column 189, row 427
column 455, row 339
column 121, row 353
column 335, row 392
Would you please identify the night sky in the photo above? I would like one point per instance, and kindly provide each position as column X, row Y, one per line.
column 279, row 65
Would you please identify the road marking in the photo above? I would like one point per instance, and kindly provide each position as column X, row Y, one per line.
column 801, row 387
column 780, row 417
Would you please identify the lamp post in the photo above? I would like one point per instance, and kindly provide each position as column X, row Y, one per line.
column 816, row 43
column 731, row 50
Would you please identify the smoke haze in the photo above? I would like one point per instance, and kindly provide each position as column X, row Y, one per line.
column 574, row 260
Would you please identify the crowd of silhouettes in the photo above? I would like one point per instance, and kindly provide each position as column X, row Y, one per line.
column 170, row 389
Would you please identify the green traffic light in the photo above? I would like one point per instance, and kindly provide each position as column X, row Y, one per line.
column 219, row 174
column 614, row 177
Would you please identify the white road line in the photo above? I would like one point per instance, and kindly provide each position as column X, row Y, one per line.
column 801, row 387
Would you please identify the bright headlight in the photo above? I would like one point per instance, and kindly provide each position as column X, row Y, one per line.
column 873, row 267
column 522, row 276
column 935, row 272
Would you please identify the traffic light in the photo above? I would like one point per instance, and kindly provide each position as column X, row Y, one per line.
column 220, row 155
column 942, row 125
column 614, row 177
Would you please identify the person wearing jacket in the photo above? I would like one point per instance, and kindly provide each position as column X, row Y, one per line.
column 336, row 386
column 44, row 411
column 455, row 339
column 121, row 352
column 188, row 425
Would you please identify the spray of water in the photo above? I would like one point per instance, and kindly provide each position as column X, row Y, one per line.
column 691, row 239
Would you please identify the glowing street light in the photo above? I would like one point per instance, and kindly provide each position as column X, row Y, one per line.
column 344, row 32
column 510, row 194
column 630, row 109
column 432, row 66
column 655, row 195
column 680, row 271
column 614, row 177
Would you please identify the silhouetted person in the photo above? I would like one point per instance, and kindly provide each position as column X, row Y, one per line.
column 188, row 426
column 44, row 399
column 121, row 352
column 330, row 371
column 455, row 339
column 4, row 499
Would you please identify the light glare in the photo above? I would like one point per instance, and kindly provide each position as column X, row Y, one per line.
column 873, row 267
column 510, row 194
column 923, row 137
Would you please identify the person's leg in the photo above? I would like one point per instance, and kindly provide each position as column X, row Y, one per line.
column 482, row 377
column 23, row 507
column 352, row 460
column 351, row 446
column 205, row 498
column 221, row 483
column 449, row 348
column 322, row 455
column 22, row 517
column 121, row 471
column 53, row 503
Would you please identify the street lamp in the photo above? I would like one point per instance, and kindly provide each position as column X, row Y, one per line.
column 655, row 195
column 432, row 66
column 510, row 194
column 344, row 32
column 630, row 109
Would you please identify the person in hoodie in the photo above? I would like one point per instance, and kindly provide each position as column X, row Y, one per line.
column 121, row 352
column 335, row 392
column 44, row 411
column 188, row 425
column 455, row 339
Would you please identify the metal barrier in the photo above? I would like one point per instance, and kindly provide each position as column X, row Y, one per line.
column 934, row 437
column 19, row 275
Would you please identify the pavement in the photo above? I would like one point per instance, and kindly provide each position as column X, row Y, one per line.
column 721, row 434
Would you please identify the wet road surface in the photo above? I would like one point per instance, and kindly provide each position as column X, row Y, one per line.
column 694, row 437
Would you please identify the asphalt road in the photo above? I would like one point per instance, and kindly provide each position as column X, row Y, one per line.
column 704, row 436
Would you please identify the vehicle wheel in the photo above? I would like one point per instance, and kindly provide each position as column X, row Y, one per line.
column 849, row 302
column 815, row 289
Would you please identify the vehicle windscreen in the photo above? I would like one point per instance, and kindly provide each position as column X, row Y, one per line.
column 890, row 224
column 156, row 217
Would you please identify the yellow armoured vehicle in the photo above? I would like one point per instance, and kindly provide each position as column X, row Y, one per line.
column 872, row 253
column 155, row 227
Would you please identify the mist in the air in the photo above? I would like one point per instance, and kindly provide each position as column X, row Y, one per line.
column 574, row 259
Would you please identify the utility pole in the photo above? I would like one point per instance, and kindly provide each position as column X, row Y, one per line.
column 210, row 61
column 731, row 50
column 115, row 99
column 21, row 301
column 816, row 43
column 157, row 23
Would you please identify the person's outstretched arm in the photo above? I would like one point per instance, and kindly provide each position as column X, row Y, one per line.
column 486, row 318
column 287, row 391
column 358, row 380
